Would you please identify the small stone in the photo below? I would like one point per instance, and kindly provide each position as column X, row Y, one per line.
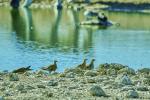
column 52, row 83
column 41, row 86
column 48, row 94
column 132, row 94
column 90, row 80
column 13, row 77
column 97, row 91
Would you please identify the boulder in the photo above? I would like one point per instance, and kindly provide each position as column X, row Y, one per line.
column 132, row 94
column 97, row 91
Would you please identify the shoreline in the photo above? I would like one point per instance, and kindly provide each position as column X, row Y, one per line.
column 108, row 82
column 103, row 5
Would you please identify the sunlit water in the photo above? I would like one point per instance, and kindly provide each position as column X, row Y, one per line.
column 37, row 37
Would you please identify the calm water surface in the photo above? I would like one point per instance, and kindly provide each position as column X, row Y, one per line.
column 38, row 36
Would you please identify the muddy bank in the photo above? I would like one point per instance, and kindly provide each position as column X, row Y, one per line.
column 108, row 82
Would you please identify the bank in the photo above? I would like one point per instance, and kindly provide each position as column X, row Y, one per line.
column 108, row 82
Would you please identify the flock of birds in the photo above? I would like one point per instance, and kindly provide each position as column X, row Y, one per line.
column 53, row 67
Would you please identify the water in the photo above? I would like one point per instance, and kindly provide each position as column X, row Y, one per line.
column 37, row 37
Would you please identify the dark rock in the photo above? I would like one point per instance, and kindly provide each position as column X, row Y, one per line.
column 97, row 91
column 41, row 86
column 132, row 94
column 52, row 83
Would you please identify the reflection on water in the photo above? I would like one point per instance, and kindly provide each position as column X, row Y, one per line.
column 36, row 37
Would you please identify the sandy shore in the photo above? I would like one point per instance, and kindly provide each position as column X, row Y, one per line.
column 109, row 82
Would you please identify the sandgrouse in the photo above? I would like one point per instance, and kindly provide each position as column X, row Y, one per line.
column 51, row 68
column 91, row 65
column 22, row 70
column 83, row 65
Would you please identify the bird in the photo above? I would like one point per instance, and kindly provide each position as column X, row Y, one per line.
column 51, row 67
column 22, row 70
column 91, row 65
column 83, row 65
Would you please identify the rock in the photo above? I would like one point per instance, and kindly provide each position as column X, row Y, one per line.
column 13, row 77
column 20, row 87
column 132, row 94
column 142, row 88
column 48, row 94
column 41, row 86
column 91, row 73
column 123, row 79
column 97, row 91
column 127, row 70
column 52, row 83
column 90, row 80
